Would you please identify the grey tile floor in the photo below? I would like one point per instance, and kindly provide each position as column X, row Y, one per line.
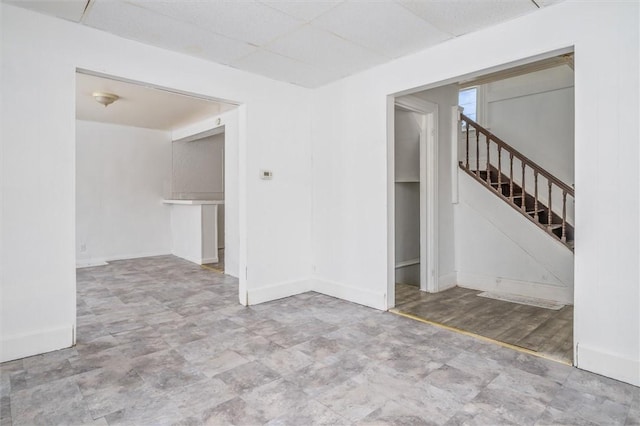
column 163, row 341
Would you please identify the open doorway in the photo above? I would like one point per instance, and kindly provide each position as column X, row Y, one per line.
column 415, row 192
column 156, row 174
column 504, row 208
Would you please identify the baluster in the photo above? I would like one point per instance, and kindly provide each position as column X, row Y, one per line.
column 564, row 216
column 511, row 177
column 467, row 124
column 524, row 198
column 549, row 219
column 500, row 169
column 488, row 160
column 477, row 153
column 535, row 197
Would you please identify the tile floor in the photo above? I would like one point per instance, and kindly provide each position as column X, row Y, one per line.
column 163, row 341
column 545, row 331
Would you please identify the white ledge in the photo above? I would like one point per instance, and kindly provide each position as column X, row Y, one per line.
column 193, row 202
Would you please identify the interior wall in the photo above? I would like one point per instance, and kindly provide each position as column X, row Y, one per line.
column 445, row 97
column 198, row 169
column 121, row 174
column 38, row 182
column 350, row 172
column 407, row 197
column 499, row 250
column 198, row 173
column 534, row 113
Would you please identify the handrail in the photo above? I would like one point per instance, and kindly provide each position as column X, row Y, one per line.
column 526, row 202
column 523, row 158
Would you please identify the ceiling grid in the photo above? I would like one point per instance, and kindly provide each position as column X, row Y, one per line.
column 305, row 42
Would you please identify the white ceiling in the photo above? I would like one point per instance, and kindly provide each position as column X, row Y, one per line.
column 141, row 106
column 304, row 42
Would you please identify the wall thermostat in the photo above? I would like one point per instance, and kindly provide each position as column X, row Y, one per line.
column 266, row 174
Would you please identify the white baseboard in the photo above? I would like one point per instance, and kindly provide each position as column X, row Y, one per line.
column 516, row 287
column 352, row 294
column 89, row 263
column 209, row 260
column 447, row 281
column 278, row 291
column 24, row 345
column 101, row 261
column 607, row 364
column 329, row 288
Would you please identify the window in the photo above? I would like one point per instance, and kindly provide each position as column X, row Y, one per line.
column 468, row 99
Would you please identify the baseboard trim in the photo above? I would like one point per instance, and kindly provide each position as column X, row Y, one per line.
column 196, row 260
column 516, row 287
column 209, row 260
column 101, row 261
column 90, row 263
column 277, row 291
column 607, row 364
column 24, row 345
column 447, row 281
column 352, row 294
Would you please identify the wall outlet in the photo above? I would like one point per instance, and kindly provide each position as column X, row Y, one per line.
column 266, row 174
column 83, row 248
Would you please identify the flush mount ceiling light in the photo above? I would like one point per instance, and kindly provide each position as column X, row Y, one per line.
column 105, row 98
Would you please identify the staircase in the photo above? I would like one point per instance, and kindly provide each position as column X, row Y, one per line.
column 531, row 190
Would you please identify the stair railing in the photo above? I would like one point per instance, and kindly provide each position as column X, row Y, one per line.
column 473, row 167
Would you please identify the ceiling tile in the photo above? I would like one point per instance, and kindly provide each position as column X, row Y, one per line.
column 143, row 25
column 303, row 9
column 463, row 16
column 245, row 20
column 70, row 10
column 325, row 50
column 282, row 68
column 382, row 26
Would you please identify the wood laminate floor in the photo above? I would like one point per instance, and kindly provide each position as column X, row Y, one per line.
column 218, row 267
column 546, row 331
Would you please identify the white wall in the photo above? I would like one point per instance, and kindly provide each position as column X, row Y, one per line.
column 198, row 173
column 445, row 97
column 198, row 169
column 38, row 170
column 121, row 174
column 349, row 137
column 534, row 113
column 499, row 250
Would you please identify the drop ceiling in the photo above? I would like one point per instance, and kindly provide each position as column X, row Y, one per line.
column 304, row 42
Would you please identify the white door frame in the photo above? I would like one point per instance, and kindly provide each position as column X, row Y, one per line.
column 428, row 122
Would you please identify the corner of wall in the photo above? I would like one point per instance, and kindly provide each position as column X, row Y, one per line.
column 24, row 345
column 608, row 364
column 372, row 299
column 278, row 291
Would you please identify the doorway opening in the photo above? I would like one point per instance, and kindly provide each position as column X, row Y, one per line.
column 156, row 174
column 501, row 196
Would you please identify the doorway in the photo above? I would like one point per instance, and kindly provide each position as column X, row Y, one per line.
column 413, row 194
column 501, row 274
column 125, row 168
